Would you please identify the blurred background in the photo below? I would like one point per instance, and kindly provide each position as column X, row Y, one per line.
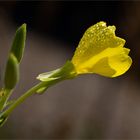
column 88, row 107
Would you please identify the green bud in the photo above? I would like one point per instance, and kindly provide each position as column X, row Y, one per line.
column 19, row 42
column 11, row 72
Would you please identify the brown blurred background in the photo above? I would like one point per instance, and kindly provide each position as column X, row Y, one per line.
column 88, row 107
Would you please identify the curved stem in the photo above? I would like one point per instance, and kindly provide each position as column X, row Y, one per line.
column 22, row 98
column 7, row 93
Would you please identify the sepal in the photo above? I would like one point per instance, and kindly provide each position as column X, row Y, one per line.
column 66, row 72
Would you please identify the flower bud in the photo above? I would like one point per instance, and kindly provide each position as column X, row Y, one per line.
column 19, row 42
column 11, row 72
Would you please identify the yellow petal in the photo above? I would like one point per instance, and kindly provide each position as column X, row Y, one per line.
column 114, row 64
column 120, row 62
column 101, row 52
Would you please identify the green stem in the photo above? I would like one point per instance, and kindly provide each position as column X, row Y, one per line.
column 5, row 114
column 7, row 93
column 22, row 98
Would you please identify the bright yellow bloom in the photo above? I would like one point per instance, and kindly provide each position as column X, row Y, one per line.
column 101, row 52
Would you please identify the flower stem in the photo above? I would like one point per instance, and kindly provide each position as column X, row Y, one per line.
column 22, row 98
column 6, row 93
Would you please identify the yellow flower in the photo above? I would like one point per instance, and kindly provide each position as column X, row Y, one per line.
column 100, row 51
